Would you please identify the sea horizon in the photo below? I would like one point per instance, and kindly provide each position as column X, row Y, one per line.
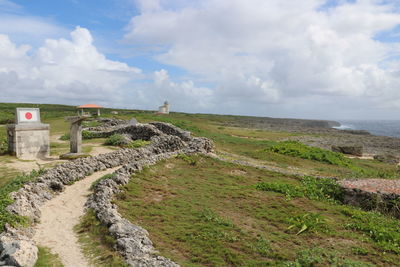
column 389, row 128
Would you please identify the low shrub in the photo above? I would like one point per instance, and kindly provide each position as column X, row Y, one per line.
column 88, row 135
column 290, row 191
column 65, row 137
column 311, row 222
column 85, row 135
column 138, row 143
column 3, row 145
column 297, row 149
column 324, row 189
column 116, row 140
column 187, row 158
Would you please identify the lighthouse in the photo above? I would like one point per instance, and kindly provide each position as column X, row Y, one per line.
column 164, row 109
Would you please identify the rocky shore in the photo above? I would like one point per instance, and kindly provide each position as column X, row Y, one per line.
column 320, row 133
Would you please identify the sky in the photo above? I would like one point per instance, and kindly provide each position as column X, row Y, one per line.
column 318, row 59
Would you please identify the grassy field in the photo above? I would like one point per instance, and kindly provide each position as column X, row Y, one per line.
column 204, row 212
column 212, row 213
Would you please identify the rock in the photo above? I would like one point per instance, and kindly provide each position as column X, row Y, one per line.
column 359, row 132
column 126, row 139
column 351, row 150
column 133, row 121
column 72, row 156
column 17, row 252
column 387, row 158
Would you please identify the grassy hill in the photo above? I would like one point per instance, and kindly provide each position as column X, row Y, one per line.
column 202, row 211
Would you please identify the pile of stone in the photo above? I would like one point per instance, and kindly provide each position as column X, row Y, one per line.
column 107, row 123
column 16, row 245
column 355, row 150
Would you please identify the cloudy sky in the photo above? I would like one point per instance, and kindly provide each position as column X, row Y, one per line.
column 336, row 59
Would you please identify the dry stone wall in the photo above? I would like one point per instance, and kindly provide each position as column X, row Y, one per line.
column 16, row 245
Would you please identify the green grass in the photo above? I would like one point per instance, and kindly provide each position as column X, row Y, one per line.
column 96, row 243
column 115, row 140
column 211, row 214
column 323, row 189
column 120, row 140
column 47, row 259
column 5, row 200
column 7, row 174
column 138, row 143
column 297, row 149
column 321, row 257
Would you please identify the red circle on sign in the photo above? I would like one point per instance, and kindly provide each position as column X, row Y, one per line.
column 28, row 115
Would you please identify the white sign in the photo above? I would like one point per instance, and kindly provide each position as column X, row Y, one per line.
column 28, row 115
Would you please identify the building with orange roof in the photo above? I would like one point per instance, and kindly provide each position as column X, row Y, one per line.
column 88, row 107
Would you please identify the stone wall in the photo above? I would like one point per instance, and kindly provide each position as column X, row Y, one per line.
column 386, row 203
column 16, row 245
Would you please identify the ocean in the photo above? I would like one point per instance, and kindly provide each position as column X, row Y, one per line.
column 381, row 127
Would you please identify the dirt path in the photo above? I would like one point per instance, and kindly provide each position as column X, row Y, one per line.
column 60, row 215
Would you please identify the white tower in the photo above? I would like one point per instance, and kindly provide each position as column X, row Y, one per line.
column 166, row 105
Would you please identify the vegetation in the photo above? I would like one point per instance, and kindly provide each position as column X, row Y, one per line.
column 213, row 213
column 96, row 243
column 3, row 145
column 203, row 212
column 297, row 149
column 116, row 140
column 65, row 137
column 313, row 222
column 324, row 189
column 322, row 257
column 122, row 141
column 5, row 200
column 47, row 259
column 138, row 143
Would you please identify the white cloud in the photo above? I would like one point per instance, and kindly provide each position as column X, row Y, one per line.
column 259, row 52
column 8, row 6
column 63, row 71
column 183, row 96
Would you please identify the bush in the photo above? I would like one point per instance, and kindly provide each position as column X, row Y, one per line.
column 297, row 149
column 116, row 140
column 65, row 137
column 311, row 222
column 85, row 135
column 3, row 145
column 324, row 189
column 138, row 143
column 88, row 135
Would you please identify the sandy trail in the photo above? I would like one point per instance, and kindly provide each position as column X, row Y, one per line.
column 60, row 215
